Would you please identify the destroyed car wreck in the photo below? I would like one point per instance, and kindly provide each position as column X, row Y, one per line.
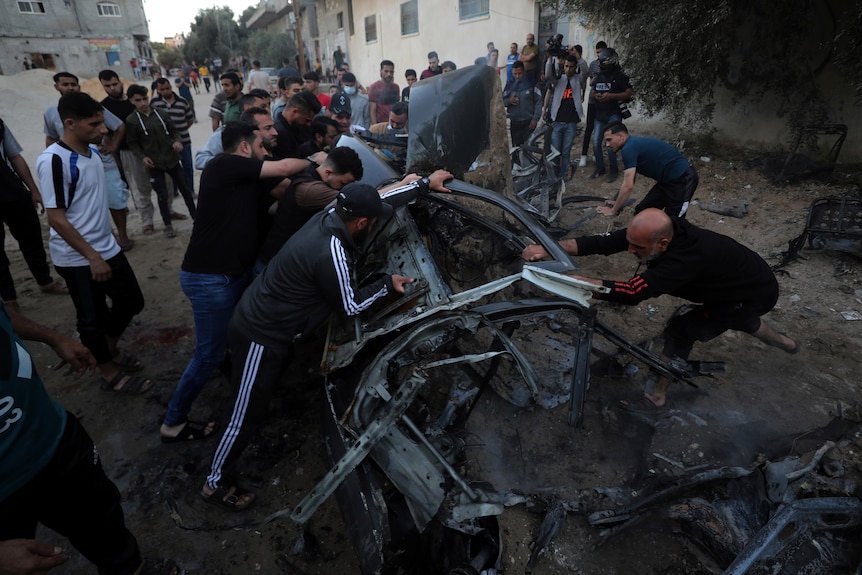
column 404, row 377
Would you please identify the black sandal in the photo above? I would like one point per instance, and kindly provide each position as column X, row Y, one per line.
column 224, row 498
column 128, row 363
column 133, row 385
column 191, row 431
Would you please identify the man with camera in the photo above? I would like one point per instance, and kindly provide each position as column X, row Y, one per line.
column 675, row 178
column 612, row 90
column 566, row 110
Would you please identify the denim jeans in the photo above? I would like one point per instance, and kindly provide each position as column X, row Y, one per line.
column 213, row 298
column 598, row 144
column 562, row 139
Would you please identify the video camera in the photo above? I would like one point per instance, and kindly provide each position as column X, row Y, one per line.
column 555, row 46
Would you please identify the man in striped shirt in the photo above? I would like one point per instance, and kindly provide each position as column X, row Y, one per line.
column 183, row 116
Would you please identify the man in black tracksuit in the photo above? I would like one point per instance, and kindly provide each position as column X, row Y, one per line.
column 732, row 284
column 311, row 276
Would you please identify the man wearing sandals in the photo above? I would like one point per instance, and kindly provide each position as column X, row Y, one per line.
column 731, row 284
column 218, row 263
column 84, row 252
column 309, row 278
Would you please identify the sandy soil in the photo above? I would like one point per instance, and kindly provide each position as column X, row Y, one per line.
column 766, row 404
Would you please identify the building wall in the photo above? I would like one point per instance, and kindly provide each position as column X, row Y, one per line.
column 440, row 29
column 333, row 21
column 72, row 36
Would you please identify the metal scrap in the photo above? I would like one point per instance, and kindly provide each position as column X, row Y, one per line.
column 818, row 455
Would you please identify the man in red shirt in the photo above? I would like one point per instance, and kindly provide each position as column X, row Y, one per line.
column 383, row 93
column 433, row 68
column 311, row 83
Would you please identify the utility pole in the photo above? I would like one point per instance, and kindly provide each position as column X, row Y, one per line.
column 297, row 24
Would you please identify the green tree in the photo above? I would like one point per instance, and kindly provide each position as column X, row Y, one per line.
column 270, row 47
column 679, row 53
column 215, row 33
column 166, row 56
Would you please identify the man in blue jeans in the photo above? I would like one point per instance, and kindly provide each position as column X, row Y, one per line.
column 566, row 111
column 611, row 87
column 217, row 265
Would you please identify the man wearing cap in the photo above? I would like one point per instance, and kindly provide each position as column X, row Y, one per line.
column 341, row 110
column 309, row 278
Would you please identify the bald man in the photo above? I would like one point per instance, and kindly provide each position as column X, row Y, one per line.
column 732, row 285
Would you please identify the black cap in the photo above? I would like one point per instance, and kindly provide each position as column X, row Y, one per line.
column 340, row 104
column 362, row 201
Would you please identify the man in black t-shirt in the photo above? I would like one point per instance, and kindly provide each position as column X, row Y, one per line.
column 566, row 111
column 309, row 192
column 293, row 124
column 217, row 265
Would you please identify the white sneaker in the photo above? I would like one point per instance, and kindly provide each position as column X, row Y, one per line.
column 583, row 161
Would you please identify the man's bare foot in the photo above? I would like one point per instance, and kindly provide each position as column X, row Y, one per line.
column 657, row 399
column 233, row 498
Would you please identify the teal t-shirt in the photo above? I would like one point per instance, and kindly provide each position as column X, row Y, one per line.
column 31, row 423
column 654, row 159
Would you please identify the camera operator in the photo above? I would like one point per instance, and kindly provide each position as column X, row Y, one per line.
column 556, row 56
column 612, row 88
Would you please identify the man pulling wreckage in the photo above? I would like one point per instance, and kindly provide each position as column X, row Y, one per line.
column 732, row 285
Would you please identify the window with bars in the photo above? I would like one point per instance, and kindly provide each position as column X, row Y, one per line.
column 31, row 7
column 468, row 9
column 410, row 17
column 108, row 9
column 371, row 28
column 339, row 20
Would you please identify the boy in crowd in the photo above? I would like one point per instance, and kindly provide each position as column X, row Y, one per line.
column 153, row 137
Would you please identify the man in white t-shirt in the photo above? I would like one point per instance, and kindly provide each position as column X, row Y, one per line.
column 84, row 252
column 118, row 191
column 258, row 79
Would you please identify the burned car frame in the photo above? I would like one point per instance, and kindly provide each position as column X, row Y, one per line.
column 403, row 376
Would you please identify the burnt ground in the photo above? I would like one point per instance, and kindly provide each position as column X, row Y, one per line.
column 766, row 405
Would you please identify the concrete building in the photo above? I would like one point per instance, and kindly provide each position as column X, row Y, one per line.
column 79, row 36
column 373, row 30
column 175, row 41
column 458, row 30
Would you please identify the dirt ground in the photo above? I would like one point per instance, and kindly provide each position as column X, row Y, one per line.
column 766, row 405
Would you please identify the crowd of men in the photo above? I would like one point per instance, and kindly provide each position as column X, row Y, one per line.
column 279, row 216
